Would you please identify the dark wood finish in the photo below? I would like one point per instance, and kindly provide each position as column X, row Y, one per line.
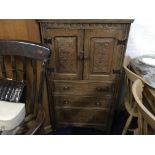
column 33, row 97
column 81, row 115
column 29, row 50
column 83, row 87
column 34, row 87
column 87, row 62
column 24, row 29
column 14, row 70
column 3, row 70
column 82, row 101
column 67, row 47
column 88, row 21
column 101, row 52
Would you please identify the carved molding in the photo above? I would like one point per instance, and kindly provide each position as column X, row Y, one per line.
column 84, row 26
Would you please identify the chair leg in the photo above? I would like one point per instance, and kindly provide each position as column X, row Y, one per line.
column 127, row 124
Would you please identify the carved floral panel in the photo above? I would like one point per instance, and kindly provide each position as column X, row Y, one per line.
column 66, row 53
column 101, row 54
column 85, row 26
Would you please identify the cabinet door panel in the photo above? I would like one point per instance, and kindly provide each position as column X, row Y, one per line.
column 66, row 54
column 101, row 52
column 66, row 47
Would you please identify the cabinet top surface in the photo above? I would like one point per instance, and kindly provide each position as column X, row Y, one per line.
column 117, row 21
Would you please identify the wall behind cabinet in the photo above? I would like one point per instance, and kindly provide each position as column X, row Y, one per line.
column 19, row 29
column 142, row 37
column 23, row 30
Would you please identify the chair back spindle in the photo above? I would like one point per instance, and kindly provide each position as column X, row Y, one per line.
column 3, row 69
column 34, row 58
column 129, row 102
column 14, row 70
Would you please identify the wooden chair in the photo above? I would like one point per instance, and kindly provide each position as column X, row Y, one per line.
column 21, row 60
column 146, row 119
column 129, row 102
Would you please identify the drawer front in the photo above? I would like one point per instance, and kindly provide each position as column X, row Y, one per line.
column 82, row 101
column 78, row 115
column 102, row 127
column 83, row 88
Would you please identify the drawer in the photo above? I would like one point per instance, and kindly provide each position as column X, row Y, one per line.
column 103, row 127
column 78, row 115
column 83, row 101
column 83, row 88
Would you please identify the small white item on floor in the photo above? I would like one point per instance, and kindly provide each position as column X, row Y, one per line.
column 11, row 115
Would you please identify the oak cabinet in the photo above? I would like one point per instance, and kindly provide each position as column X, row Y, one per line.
column 87, row 58
column 66, row 49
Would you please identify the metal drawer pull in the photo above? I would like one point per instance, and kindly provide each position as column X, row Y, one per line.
column 98, row 103
column 66, row 102
column 66, row 87
column 102, row 88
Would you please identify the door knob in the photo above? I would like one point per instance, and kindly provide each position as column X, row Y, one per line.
column 66, row 87
column 66, row 102
column 98, row 103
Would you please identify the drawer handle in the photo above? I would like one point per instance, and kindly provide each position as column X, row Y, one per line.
column 66, row 102
column 66, row 87
column 98, row 103
column 102, row 89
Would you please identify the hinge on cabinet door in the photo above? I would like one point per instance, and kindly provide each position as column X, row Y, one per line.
column 121, row 42
column 48, row 41
column 116, row 71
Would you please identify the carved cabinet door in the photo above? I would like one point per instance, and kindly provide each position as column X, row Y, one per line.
column 102, row 54
column 66, row 46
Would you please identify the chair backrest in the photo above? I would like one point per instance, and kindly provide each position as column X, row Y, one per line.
column 22, row 60
column 130, row 77
column 145, row 118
